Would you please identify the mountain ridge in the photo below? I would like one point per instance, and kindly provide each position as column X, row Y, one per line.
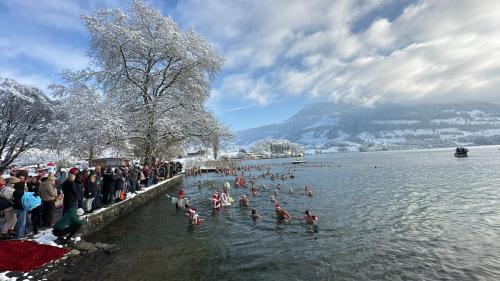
column 328, row 126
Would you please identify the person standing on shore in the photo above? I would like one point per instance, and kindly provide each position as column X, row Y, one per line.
column 89, row 193
column 107, row 186
column 79, row 189
column 10, row 214
column 96, row 204
column 70, row 196
column 20, row 211
column 48, row 193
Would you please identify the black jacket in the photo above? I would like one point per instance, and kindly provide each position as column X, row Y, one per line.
column 108, row 182
column 69, row 191
column 89, row 189
column 17, row 196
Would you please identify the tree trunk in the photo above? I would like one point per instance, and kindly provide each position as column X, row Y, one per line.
column 91, row 154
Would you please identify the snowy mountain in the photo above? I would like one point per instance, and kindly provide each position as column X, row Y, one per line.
column 333, row 127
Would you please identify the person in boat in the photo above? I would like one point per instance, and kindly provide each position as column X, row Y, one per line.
column 254, row 214
column 310, row 218
column 458, row 150
column 244, row 201
column 282, row 214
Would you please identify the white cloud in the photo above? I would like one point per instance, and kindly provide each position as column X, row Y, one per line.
column 344, row 50
column 434, row 51
column 27, row 79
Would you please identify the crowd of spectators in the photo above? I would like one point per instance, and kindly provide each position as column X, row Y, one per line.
column 88, row 189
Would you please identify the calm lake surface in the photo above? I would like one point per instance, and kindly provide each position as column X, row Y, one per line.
column 420, row 215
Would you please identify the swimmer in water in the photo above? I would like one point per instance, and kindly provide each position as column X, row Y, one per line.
column 273, row 200
column 254, row 190
column 282, row 214
column 254, row 214
column 310, row 193
column 244, row 201
column 291, row 190
column 310, row 218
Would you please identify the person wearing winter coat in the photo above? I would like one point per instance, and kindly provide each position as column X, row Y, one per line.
column 107, row 186
column 48, row 193
column 89, row 193
column 34, row 214
column 70, row 196
column 7, row 192
column 96, row 204
column 69, row 224
column 134, row 177
column 79, row 189
column 21, row 213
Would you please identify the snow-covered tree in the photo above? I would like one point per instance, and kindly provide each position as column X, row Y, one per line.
column 26, row 115
column 157, row 75
column 87, row 123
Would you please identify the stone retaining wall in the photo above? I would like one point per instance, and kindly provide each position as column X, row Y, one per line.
column 99, row 220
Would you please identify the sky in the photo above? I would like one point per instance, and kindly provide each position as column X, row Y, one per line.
column 282, row 54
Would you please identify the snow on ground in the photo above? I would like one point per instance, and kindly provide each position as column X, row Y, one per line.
column 453, row 121
column 46, row 237
column 3, row 277
column 325, row 121
column 475, row 113
column 395, row 122
column 314, row 137
column 399, row 133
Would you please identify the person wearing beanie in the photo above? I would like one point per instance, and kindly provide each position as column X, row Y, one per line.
column 69, row 225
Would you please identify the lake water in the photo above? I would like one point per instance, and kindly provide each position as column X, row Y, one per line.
column 420, row 215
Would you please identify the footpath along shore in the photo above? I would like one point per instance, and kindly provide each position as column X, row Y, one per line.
column 83, row 255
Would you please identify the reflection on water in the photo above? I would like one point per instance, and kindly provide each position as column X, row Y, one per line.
column 418, row 216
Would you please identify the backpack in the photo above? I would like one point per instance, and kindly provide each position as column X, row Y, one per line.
column 4, row 203
column 30, row 201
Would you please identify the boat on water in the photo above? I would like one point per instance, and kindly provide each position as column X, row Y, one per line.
column 298, row 160
column 461, row 152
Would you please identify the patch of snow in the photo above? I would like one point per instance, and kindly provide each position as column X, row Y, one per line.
column 45, row 237
column 314, row 137
column 4, row 277
column 475, row 113
column 395, row 122
column 325, row 121
column 341, row 135
column 453, row 121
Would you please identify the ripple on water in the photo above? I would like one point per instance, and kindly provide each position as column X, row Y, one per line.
column 419, row 216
